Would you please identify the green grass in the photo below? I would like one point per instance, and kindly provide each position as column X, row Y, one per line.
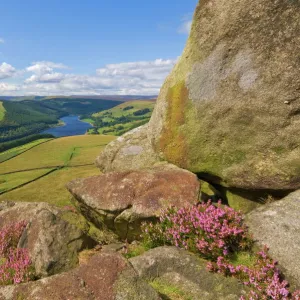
column 168, row 291
column 65, row 155
column 56, row 152
column 50, row 188
column 2, row 111
column 83, row 156
column 135, row 250
column 120, row 119
column 20, row 149
column 11, row 181
column 88, row 120
column 243, row 258
column 118, row 111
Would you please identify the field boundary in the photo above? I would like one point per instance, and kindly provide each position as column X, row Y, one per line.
column 30, row 181
column 24, row 151
column 48, row 167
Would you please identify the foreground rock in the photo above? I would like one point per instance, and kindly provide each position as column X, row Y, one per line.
column 52, row 242
column 173, row 267
column 277, row 225
column 123, row 200
column 230, row 109
column 132, row 151
column 106, row 276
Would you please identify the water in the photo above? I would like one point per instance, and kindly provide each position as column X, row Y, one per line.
column 73, row 126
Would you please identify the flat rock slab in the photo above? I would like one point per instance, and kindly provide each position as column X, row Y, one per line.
column 52, row 242
column 106, row 276
column 122, row 200
column 187, row 272
column 277, row 225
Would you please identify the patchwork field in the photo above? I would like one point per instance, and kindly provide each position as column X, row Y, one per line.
column 121, row 118
column 40, row 173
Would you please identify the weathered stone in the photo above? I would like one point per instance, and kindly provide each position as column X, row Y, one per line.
column 52, row 242
column 187, row 272
column 222, row 110
column 132, row 151
column 123, row 200
column 277, row 225
column 105, row 276
column 230, row 109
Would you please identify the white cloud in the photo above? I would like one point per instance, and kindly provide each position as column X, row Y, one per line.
column 186, row 24
column 185, row 27
column 6, row 88
column 135, row 78
column 143, row 77
column 2, row 41
column 7, row 70
column 45, row 67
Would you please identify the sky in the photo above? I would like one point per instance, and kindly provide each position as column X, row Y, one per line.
column 90, row 47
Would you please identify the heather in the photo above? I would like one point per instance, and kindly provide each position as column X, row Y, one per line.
column 15, row 263
column 218, row 234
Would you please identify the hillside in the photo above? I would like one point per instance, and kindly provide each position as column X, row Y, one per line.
column 24, row 118
column 39, row 170
column 122, row 118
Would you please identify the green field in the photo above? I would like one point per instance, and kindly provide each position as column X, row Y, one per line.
column 122, row 118
column 18, row 150
column 41, row 173
column 2, row 111
column 13, row 180
column 57, row 153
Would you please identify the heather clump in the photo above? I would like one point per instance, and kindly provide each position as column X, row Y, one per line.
column 218, row 234
column 209, row 230
column 15, row 263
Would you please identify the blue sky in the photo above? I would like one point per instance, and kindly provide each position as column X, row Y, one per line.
column 90, row 47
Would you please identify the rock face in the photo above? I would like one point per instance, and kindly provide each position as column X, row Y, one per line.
column 230, row 109
column 106, row 276
column 123, row 200
column 52, row 242
column 131, row 151
column 277, row 225
column 181, row 269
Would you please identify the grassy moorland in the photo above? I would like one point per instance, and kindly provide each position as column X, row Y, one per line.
column 8, row 154
column 40, row 173
column 121, row 118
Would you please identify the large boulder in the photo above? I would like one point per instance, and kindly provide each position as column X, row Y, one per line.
column 172, row 267
column 131, row 151
column 123, row 200
column 230, row 109
column 52, row 242
column 106, row 276
column 277, row 225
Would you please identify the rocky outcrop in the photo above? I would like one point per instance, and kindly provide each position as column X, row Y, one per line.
column 132, row 151
column 52, row 242
column 230, row 109
column 106, row 276
column 178, row 268
column 123, row 200
column 277, row 225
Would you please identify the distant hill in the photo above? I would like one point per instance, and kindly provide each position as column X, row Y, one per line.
column 96, row 97
column 122, row 118
column 23, row 118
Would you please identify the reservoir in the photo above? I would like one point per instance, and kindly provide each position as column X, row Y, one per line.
column 73, row 126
